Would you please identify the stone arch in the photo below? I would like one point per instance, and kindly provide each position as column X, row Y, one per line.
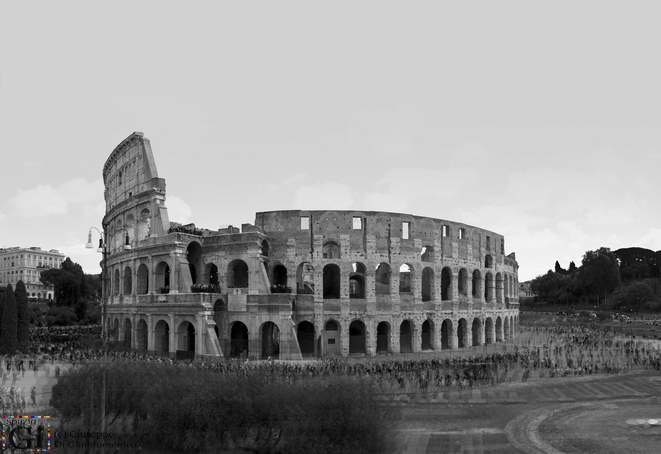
column 305, row 336
column 265, row 248
column 128, row 281
column 239, row 345
column 219, row 305
column 357, row 281
column 406, row 337
column 279, row 279
column 127, row 334
column 462, row 333
column 331, row 250
column 141, row 335
column 488, row 261
column 506, row 328
column 427, row 284
column 405, row 278
column 115, row 331
column 186, row 340
column 428, row 341
column 211, row 276
column 447, row 333
column 332, row 335
column 237, row 274
column 194, row 258
column 305, row 279
column 477, row 283
column 488, row 288
column 331, row 281
column 489, row 331
column 357, row 337
column 383, row 337
column 427, row 254
column 143, row 279
column 477, row 330
column 463, row 282
column 162, row 277
column 144, row 224
column 499, row 330
column 162, row 337
column 499, row 288
column 115, row 282
column 382, row 279
column 270, row 333
column 446, row 282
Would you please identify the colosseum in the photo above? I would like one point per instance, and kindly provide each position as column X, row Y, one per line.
column 294, row 284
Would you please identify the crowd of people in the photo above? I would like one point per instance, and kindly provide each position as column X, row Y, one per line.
column 541, row 352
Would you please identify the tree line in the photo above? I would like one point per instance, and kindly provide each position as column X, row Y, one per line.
column 14, row 319
column 630, row 276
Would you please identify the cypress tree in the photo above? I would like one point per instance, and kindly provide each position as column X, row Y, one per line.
column 2, row 308
column 21, row 296
column 8, row 337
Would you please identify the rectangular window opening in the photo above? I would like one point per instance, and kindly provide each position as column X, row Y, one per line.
column 405, row 230
column 446, row 230
column 462, row 234
column 305, row 222
column 357, row 223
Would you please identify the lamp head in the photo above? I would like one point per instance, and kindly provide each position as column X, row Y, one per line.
column 89, row 244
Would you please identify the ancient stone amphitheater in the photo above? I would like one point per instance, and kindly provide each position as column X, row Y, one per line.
column 295, row 283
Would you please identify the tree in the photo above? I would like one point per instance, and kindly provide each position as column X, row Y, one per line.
column 9, row 335
column 559, row 269
column 599, row 272
column 572, row 267
column 65, row 283
column 638, row 293
column 23, row 326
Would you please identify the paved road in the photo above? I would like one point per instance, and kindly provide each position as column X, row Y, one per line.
column 506, row 418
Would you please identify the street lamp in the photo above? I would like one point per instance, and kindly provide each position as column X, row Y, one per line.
column 103, row 249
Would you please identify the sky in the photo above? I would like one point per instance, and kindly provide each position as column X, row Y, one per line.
column 540, row 121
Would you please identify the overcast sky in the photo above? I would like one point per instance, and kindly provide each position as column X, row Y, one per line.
column 539, row 121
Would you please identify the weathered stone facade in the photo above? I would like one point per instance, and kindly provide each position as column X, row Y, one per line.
column 296, row 283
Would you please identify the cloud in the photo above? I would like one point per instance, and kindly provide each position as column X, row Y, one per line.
column 46, row 200
column 651, row 240
column 295, row 179
column 178, row 210
column 328, row 195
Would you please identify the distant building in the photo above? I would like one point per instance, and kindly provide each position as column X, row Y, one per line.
column 525, row 291
column 26, row 264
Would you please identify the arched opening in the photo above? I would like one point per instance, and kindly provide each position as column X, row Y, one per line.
column 162, row 337
column 382, row 337
column 427, row 284
column 331, row 281
column 141, row 333
column 128, row 281
column 115, row 283
column 270, row 341
column 306, row 338
column 477, row 283
column 446, row 280
column 382, row 279
column 162, row 277
column 489, row 333
column 488, row 261
column 357, row 281
column 186, row 340
column 477, row 329
column 506, row 328
column 265, row 248
column 488, row 288
column 405, row 337
column 239, row 341
column 143, row 279
column 427, row 254
column 332, row 338
column 130, row 227
column 331, row 250
column 463, row 282
column 211, row 276
column 144, row 224
column 405, row 278
column 127, row 334
column 499, row 288
column 357, row 337
column 237, row 274
column 462, row 333
column 427, row 335
column 194, row 258
column 305, row 279
column 279, row 280
column 499, row 330
column 511, row 328
column 446, row 334
column 115, row 331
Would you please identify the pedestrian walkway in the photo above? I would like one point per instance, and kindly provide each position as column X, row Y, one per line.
column 43, row 381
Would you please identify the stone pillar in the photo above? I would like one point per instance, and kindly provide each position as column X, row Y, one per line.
column 395, row 335
column 344, row 337
column 150, row 333
column 454, row 285
column 453, row 340
column 173, row 337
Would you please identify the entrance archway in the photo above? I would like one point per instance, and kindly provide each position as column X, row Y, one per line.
column 476, row 329
column 186, row 340
column 357, row 337
column 382, row 337
column 405, row 337
column 162, row 337
column 141, row 335
column 306, row 338
column 462, row 333
column 332, row 338
column 270, row 340
column 427, row 335
column 239, row 341
column 446, row 334
column 127, row 334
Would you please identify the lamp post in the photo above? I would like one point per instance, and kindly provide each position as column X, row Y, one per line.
column 103, row 249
